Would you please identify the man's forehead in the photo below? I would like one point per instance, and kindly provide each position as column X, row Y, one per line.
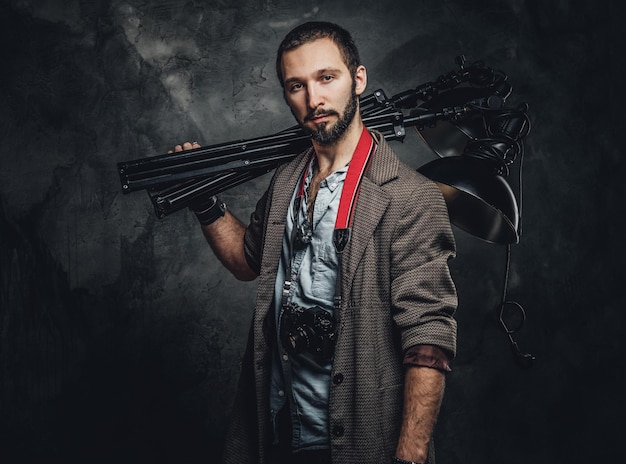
column 319, row 54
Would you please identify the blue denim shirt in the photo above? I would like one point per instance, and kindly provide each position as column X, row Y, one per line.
column 313, row 277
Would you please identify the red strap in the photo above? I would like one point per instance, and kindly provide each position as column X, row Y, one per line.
column 350, row 192
column 352, row 184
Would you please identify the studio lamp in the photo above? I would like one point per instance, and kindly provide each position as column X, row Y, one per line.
column 475, row 153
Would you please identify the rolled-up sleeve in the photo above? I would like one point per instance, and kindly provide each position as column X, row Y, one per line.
column 423, row 294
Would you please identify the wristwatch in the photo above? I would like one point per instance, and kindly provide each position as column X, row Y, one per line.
column 211, row 211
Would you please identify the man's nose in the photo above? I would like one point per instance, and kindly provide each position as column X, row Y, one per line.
column 314, row 97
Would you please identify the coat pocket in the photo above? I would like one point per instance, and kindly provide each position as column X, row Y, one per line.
column 390, row 405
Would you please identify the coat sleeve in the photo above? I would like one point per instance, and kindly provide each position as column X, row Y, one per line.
column 423, row 295
column 253, row 238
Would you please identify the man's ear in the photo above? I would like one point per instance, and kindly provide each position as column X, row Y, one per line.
column 360, row 79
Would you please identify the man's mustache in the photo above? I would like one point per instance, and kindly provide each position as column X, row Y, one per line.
column 317, row 113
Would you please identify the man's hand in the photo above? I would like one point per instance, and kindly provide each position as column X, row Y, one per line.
column 225, row 236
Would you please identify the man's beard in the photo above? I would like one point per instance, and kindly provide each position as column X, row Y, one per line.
column 328, row 136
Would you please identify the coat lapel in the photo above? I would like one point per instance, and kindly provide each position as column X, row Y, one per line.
column 284, row 184
column 371, row 205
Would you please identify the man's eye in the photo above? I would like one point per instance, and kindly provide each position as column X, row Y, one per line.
column 295, row 87
column 327, row 78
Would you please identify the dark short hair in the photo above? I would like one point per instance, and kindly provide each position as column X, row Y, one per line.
column 314, row 30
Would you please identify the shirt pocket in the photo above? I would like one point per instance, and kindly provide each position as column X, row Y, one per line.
column 325, row 270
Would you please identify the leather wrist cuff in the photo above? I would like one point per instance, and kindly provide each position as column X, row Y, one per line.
column 212, row 211
column 396, row 460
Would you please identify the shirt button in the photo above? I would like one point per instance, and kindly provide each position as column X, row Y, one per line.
column 281, row 393
column 337, row 379
column 338, row 431
column 285, row 357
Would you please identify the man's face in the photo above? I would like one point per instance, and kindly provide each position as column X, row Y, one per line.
column 320, row 91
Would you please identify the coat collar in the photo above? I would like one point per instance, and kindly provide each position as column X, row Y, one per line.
column 385, row 164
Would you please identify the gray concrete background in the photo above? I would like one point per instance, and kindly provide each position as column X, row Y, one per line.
column 120, row 334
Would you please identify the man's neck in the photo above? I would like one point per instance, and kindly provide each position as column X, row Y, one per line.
column 335, row 156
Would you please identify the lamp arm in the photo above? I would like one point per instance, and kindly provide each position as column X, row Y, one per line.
column 475, row 75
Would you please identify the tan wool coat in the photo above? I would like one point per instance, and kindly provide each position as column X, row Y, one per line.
column 397, row 293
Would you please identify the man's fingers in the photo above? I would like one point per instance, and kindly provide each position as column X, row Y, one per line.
column 184, row 146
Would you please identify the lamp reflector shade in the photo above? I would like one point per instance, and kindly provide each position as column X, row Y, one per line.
column 447, row 138
column 479, row 200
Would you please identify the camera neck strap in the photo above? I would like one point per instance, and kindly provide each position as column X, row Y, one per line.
column 347, row 203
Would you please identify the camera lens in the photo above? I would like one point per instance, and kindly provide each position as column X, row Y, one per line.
column 299, row 339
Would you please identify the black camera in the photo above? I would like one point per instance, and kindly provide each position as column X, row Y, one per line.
column 310, row 330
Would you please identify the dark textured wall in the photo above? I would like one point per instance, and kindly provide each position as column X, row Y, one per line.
column 120, row 334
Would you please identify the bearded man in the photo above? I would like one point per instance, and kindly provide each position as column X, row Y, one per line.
column 353, row 328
